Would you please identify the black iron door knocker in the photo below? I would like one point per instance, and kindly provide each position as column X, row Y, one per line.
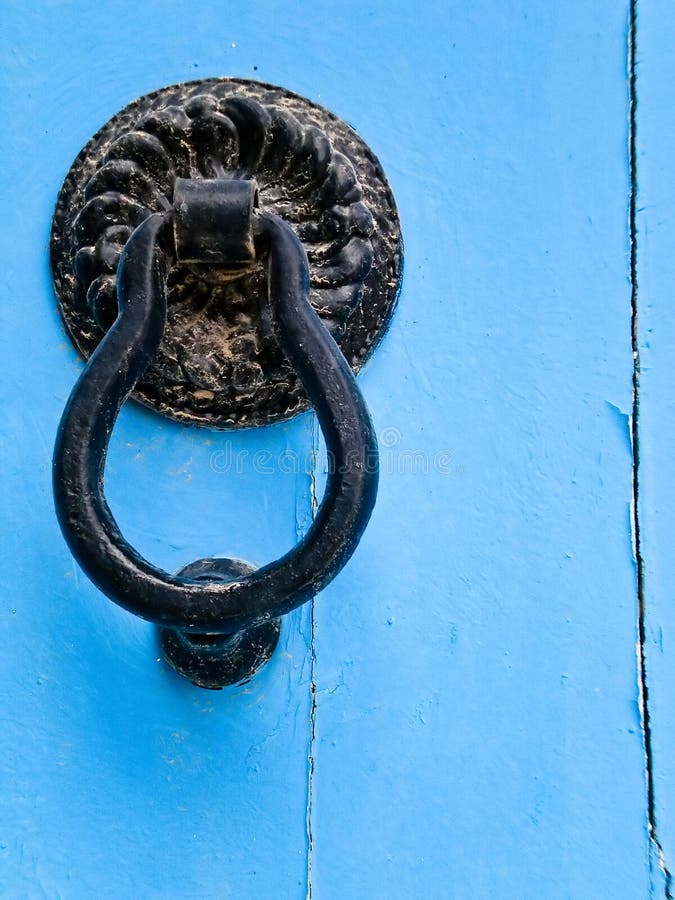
column 230, row 253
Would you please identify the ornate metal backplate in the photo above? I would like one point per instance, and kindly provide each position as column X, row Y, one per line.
column 219, row 363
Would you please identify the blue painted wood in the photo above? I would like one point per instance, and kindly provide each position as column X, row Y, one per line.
column 118, row 779
column 476, row 730
column 655, row 239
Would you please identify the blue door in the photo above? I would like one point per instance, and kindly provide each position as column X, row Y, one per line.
column 481, row 704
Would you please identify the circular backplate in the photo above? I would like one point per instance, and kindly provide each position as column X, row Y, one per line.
column 219, row 363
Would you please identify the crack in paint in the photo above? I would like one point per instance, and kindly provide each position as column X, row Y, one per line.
column 310, row 754
column 643, row 688
column 312, row 679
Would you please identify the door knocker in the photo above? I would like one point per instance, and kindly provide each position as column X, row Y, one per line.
column 228, row 253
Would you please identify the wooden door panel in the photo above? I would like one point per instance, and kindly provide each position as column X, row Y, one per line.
column 477, row 731
column 458, row 715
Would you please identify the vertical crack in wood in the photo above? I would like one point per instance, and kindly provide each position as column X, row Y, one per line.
column 635, row 434
column 314, row 503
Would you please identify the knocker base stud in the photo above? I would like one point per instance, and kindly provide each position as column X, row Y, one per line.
column 215, row 661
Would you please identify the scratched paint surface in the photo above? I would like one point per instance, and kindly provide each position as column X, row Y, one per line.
column 475, row 730
column 655, row 239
